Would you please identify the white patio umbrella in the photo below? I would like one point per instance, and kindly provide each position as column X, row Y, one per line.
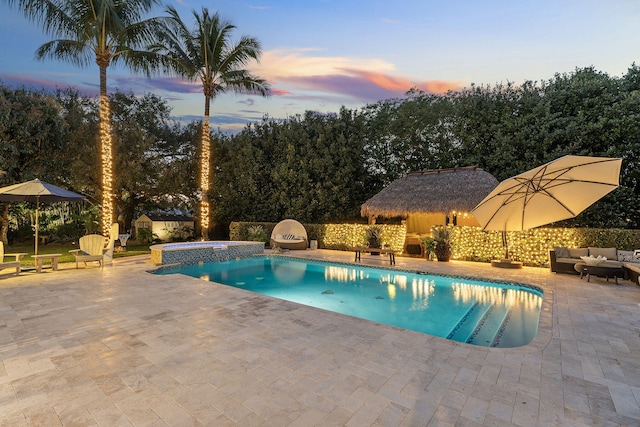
column 557, row 190
column 37, row 191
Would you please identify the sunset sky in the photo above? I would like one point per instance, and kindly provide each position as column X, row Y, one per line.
column 323, row 54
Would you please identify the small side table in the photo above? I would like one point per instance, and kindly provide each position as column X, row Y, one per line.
column 54, row 261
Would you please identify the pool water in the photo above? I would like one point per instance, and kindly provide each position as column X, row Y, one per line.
column 461, row 309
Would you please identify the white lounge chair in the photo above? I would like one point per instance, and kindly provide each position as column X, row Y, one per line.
column 92, row 248
column 10, row 264
column 289, row 234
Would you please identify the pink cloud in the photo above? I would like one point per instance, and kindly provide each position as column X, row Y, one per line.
column 279, row 92
column 364, row 85
column 168, row 84
column 401, row 84
column 46, row 84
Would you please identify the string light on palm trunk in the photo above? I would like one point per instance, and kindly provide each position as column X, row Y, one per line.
column 107, row 165
column 205, row 174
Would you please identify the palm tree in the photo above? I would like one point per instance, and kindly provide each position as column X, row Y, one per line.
column 104, row 31
column 208, row 54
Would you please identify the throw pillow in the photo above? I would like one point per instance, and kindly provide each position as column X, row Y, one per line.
column 626, row 256
column 288, row 236
column 561, row 251
column 609, row 253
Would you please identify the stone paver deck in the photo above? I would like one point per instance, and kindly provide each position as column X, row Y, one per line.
column 118, row 347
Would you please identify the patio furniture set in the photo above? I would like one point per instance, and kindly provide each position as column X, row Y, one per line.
column 92, row 248
column 612, row 263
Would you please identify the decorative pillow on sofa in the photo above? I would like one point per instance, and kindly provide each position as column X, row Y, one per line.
column 561, row 251
column 591, row 260
column 626, row 256
column 288, row 237
column 578, row 252
column 610, row 253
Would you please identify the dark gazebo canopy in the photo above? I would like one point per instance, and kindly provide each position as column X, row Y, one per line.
column 431, row 191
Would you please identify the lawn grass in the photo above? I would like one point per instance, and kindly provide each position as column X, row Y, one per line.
column 133, row 248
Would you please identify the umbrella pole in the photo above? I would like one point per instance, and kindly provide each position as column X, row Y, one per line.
column 37, row 222
column 505, row 243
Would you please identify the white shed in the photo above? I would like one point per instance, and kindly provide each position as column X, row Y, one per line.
column 166, row 226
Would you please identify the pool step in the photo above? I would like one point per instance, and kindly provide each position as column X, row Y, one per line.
column 490, row 327
column 467, row 323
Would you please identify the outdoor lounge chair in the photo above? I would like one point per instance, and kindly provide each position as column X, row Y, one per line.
column 289, row 234
column 92, row 248
column 10, row 264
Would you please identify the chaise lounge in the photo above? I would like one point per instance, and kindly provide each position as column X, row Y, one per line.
column 289, row 234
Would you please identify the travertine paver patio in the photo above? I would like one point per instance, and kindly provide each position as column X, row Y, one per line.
column 122, row 347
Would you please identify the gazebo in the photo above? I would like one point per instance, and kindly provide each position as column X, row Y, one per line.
column 431, row 197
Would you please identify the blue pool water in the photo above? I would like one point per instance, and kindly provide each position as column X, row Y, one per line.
column 466, row 310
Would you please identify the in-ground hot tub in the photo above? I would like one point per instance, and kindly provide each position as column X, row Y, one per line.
column 210, row 251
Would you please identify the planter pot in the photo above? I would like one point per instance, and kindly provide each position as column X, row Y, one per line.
column 443, row 254
column 374, row 243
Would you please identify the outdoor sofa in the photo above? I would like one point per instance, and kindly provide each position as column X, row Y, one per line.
column 563, row 260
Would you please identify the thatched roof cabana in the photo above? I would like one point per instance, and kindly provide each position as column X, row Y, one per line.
column 431, row 191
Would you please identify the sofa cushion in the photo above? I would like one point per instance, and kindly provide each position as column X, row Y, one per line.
column 578, row 252
column 561, row 251
column 568, row 260
column 608, row 253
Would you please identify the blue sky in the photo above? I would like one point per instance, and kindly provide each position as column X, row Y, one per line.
column 323, row 54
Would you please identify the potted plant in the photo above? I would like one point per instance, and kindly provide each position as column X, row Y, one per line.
column 442, row 237
column 429, row 244
column 374, row 238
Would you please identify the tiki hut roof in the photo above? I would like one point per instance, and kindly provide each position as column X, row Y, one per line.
column 439, row 190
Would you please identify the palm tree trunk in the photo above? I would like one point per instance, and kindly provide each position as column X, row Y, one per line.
column 106, row 152
column 205, row 172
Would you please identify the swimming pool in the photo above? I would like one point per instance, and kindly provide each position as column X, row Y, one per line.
column 490, row 314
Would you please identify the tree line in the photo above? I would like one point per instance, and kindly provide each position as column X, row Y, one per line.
column 108, row 32
column 320, row 167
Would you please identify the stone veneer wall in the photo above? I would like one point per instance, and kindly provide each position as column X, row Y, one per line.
column 195, row 254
